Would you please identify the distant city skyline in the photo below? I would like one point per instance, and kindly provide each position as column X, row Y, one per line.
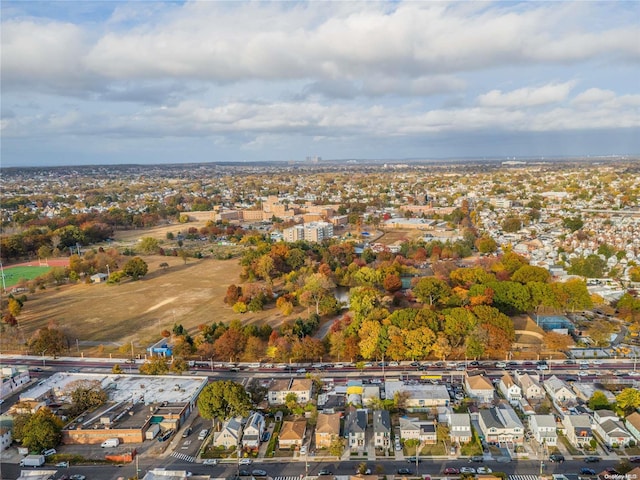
column 103, row 82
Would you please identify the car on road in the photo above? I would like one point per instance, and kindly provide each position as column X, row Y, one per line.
column 501, row 364
column 405, row 471
column 468, row 470
column 325, row 471
column 587, row 471
column 474, row 363
column 301, row 370
column 203, row 434
column 634, row 459
column 451, row 471
column 259, row 473
column 244, row 473
column 592, row 459
column 62, row 464
column 583, row 373
column 484, row 470
column 210, row 461
column 245, row 461
column 77, row 476
column 477, row 458
column 556, row 458
column 37, row 369
column 187, row 432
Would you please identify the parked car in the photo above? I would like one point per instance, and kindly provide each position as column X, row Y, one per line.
column 413, row 459
column 587, row 471
column 556, row 458
column 468, row 470
column 245, row 461
column 405, row 471
column 303, row 450
column 244, row 473
column 484, row 470
column 451, row 471
column 203, row 434
column 187, row 432
column 62, row 464
column 266, row 436
column 325, row 471
column 634, row 459
column 210, row 461
column 592, row 459
column 259, row 473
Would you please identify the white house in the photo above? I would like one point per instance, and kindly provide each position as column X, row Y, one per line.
column 381, row 429
column 460, row 428
column 511, row 391
column 229, row 434
column 479, row 388
column 253, row 430
column 530, row 387
column 355, row 427
column 501, row 425
column 5, row 438
column 415, row 429
column 578, row 429
column 420, row 397
column 543, row 428
column 559, row 390
column 632, row 422
column 613, row 433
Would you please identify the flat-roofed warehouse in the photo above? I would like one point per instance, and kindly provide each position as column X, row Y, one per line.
column 135, row 404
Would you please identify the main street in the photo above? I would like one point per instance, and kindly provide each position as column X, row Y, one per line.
column 294, row 469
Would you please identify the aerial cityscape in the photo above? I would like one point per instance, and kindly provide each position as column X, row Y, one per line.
column 320, row 240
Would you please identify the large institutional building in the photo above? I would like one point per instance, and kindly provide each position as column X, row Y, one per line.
column 311, row 232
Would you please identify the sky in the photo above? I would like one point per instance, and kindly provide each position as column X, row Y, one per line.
column 107, row 82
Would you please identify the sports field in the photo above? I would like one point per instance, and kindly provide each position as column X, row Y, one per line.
column 13, row 275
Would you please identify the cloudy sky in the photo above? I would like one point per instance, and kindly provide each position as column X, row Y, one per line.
column 151, row 82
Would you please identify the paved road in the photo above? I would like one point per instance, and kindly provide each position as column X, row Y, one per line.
column 290, row 470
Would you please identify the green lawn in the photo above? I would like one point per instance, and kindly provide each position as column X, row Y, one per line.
column 13, row 275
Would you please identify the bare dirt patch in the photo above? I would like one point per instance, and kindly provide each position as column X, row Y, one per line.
column 103, row 314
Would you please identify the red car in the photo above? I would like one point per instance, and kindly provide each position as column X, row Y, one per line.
column 451, row 471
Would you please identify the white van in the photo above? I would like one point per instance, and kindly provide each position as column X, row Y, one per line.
column 110, row 442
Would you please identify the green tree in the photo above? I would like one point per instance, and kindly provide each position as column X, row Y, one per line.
column 531, row 273
column 512, row 224
column 598, row 401
column 135, row 268
column 573, row 223
column 222, row 400
column 316, row 287
column 486, row 244
column 85, row 395
column 431, row 290
column 628, row 400
column 43, row 430
column 157, row 365
column 148, row 245
column 336, row 447
column 591, row 266
column 47, row 341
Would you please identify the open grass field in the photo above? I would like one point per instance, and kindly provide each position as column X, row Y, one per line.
column 103, row 316
column 13, row 275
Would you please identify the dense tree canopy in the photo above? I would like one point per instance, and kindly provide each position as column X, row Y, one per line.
column 222, row 400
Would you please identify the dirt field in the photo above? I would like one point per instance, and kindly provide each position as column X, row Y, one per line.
column 112, row 315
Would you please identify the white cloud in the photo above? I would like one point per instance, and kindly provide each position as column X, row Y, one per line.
column 528, row 96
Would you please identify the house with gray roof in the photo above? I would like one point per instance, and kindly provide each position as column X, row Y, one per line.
column 501, row 425
column 355, row 427
column 543, row 428
column 381, row 429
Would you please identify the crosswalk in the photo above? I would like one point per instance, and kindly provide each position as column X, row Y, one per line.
column 183, row 456
column 523, row 477
column 286, row 478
